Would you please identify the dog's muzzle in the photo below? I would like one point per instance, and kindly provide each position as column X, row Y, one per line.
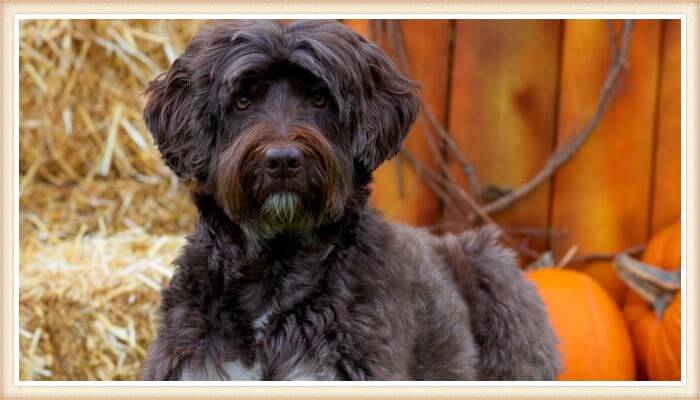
column 283, row 180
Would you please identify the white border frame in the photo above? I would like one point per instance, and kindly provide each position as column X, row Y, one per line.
column 684, row 295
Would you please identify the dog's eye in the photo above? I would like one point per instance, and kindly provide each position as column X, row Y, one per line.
column 243, row 102
column 318, row 99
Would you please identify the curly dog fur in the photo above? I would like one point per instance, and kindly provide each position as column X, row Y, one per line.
column 289, row 274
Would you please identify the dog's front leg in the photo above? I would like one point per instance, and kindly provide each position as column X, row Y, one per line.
column 178, row 343
column 507, row 316
column 180, row 339
column 163, row 363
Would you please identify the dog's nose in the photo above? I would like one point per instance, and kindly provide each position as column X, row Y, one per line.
column 283, row 161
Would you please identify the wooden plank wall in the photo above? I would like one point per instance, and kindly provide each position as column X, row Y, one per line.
column 602, row 195
column 511, row 92
column 503, row 108
column 397, row 190
column 666, row 189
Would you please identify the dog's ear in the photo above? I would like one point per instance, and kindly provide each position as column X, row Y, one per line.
column 176, row 118
column 389, row 107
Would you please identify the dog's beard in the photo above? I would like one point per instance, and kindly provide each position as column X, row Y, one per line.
column 281, row 213
column 281, row 208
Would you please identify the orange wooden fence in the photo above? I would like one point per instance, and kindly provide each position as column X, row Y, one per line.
column 511, row 92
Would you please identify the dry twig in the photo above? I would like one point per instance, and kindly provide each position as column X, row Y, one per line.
column 591, row 257
column 561, row 156
column 398, row 47
column 449, row 185
column 450, row 191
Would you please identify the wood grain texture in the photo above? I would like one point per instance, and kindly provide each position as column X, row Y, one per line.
column 601, row 196
column 397, row 190
column 519, row 87
column 502, row 112
column 360, row 26
column 666, row 190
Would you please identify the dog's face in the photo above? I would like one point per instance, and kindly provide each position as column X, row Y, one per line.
column 278, row 121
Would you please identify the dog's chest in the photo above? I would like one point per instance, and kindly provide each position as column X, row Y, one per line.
column 240, row 371
column 235, row 370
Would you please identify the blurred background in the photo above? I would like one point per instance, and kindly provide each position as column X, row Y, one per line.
column 564, row 134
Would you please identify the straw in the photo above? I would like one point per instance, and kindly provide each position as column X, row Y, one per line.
column 101, row 218
column 87, row 306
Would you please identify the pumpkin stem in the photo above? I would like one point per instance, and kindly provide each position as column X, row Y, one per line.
column 568, row 256
column 654, row 284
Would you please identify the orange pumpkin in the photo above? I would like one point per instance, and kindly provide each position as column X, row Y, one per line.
column 604, row 273
column 655, row 322
column 593, row 339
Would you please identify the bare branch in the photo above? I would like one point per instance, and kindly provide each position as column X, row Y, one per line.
column 536, row 232
column 591, row 257
column 446, row 181
column 464, row 197
column 512, row 230
column 561, row 156
column 434, row 184
column 398, row 47
column 474, row 185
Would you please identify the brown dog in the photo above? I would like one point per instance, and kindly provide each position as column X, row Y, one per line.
column 289, row 274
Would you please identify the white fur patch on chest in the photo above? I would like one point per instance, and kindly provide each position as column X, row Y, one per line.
column 236, row 370
column 260, row 323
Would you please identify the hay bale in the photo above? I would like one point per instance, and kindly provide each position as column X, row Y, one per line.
column 80, row 108
column 81, row 85
column 94, row 195
column 50, row 214
column 87, row 305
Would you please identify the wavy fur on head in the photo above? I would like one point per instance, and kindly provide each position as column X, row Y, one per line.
column 289, row 274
